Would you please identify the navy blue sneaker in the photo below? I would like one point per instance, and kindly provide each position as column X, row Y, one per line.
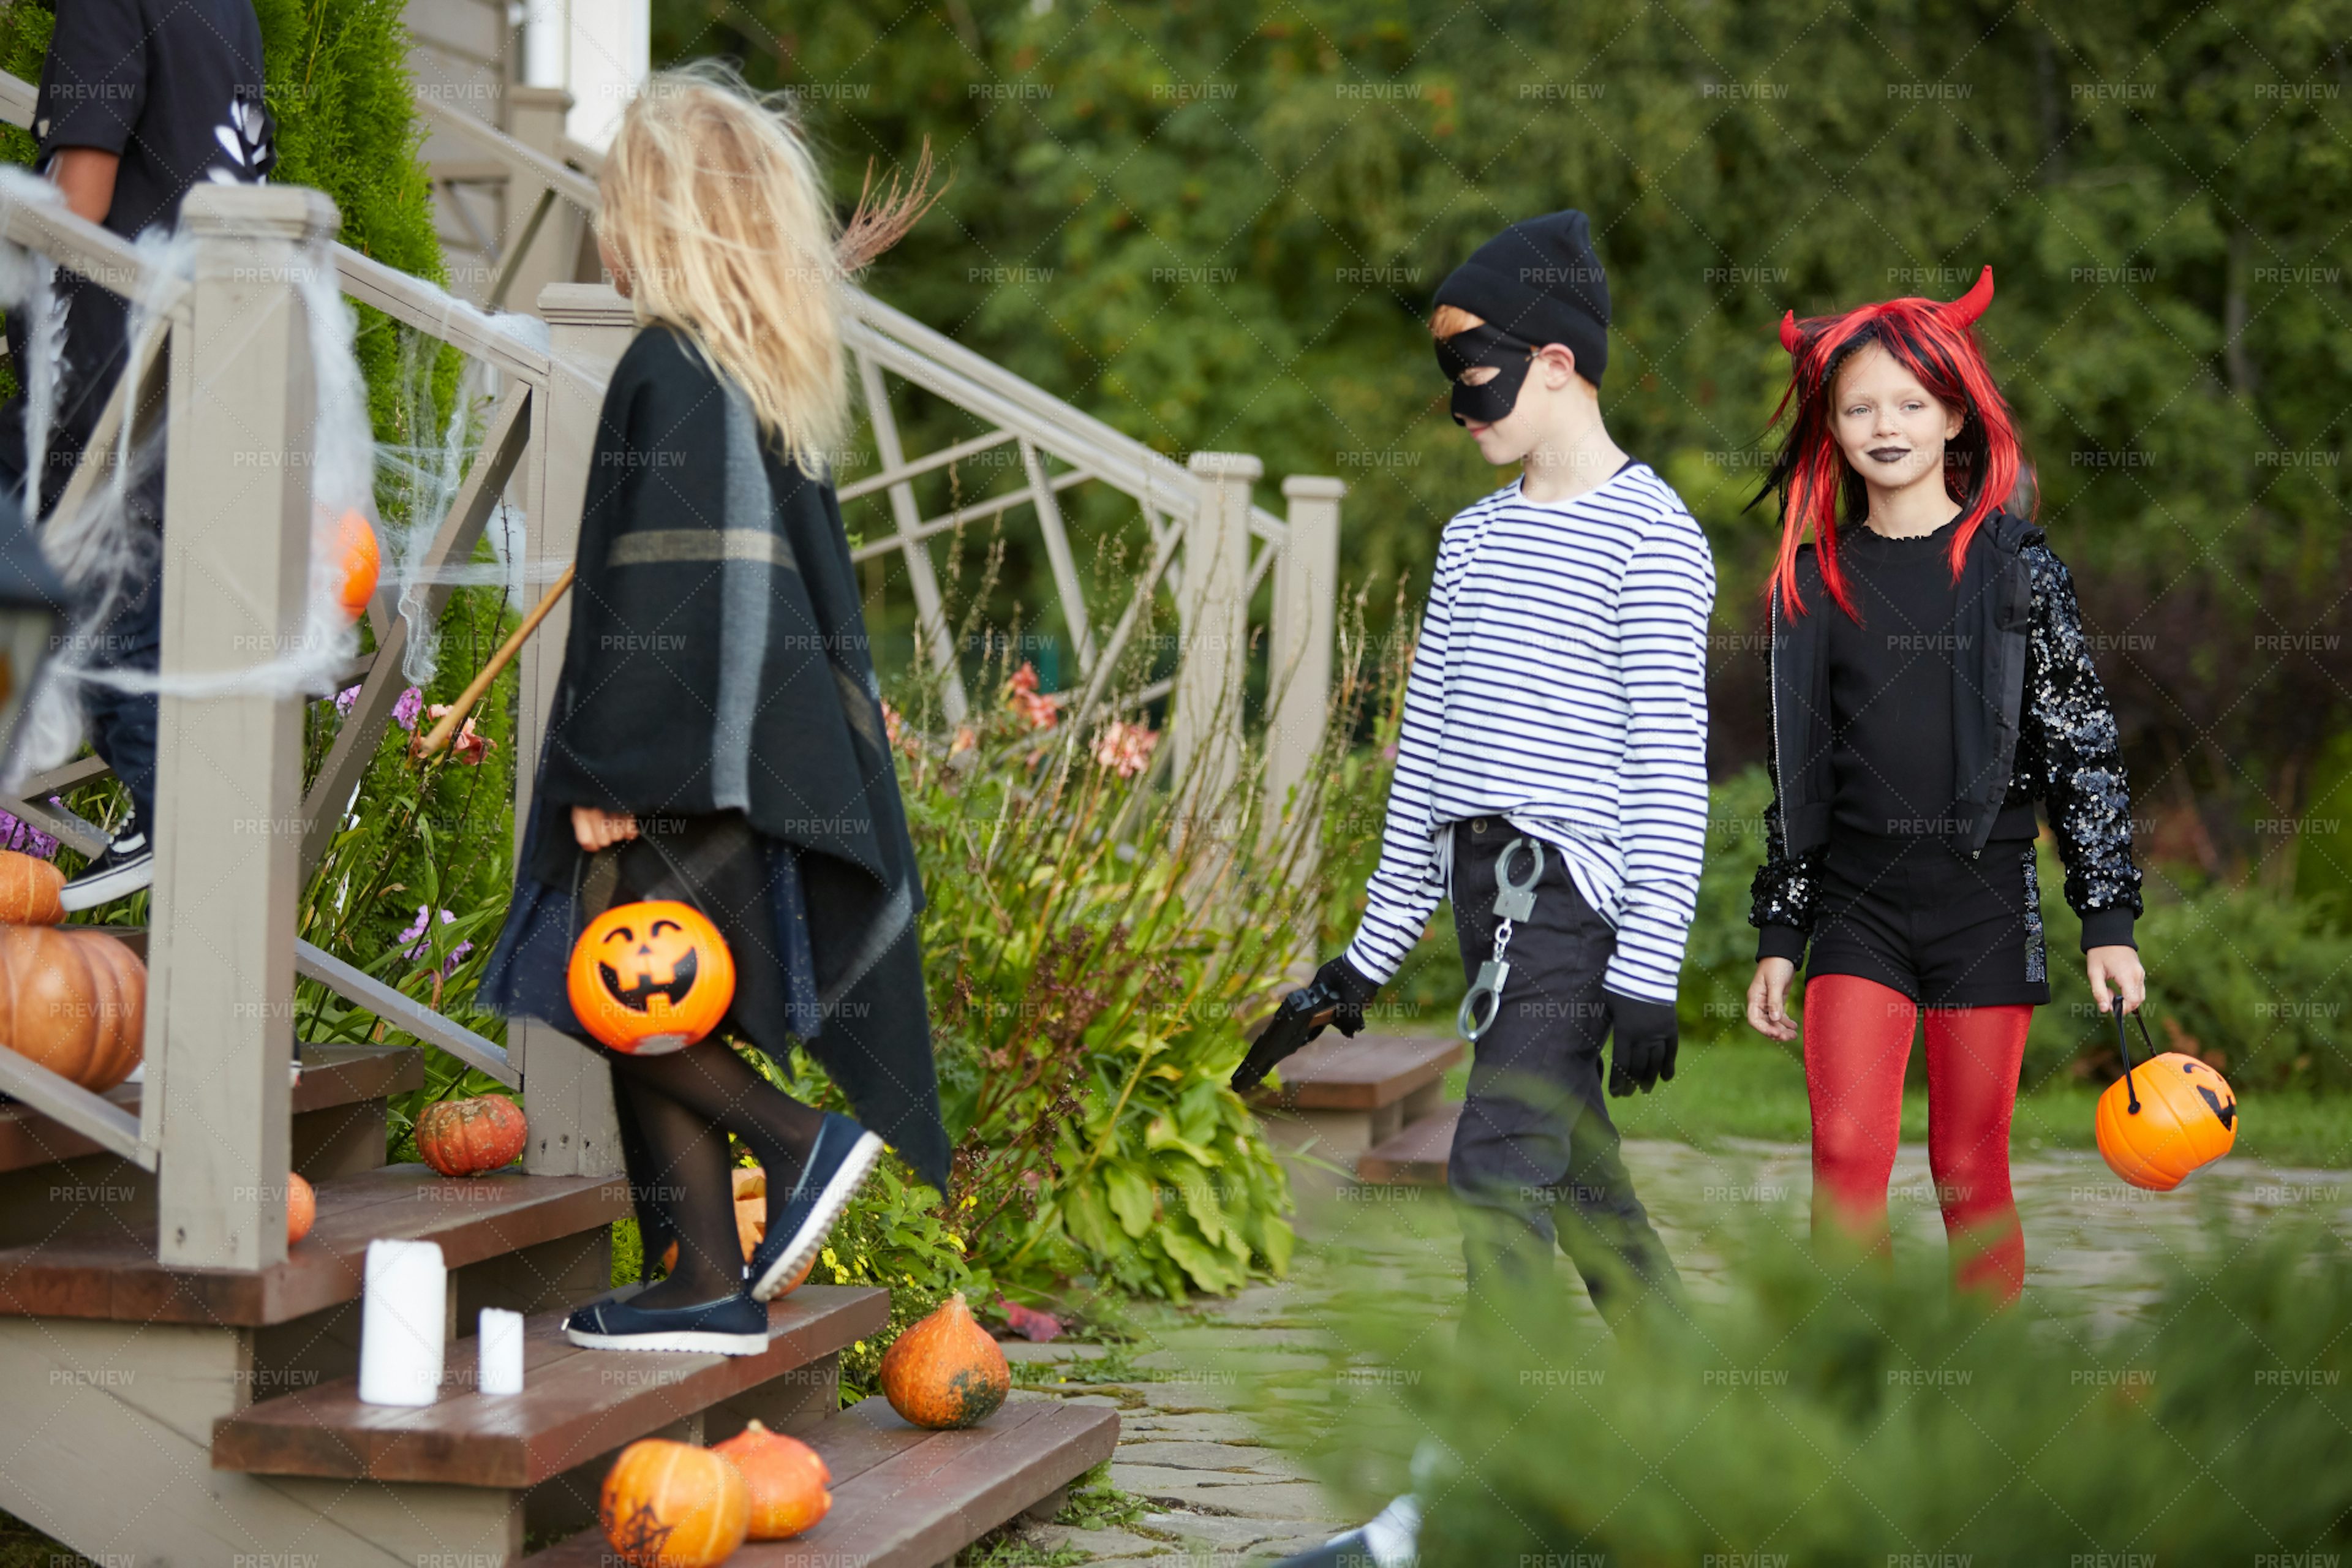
column 844, row 1157
column 735, row 1326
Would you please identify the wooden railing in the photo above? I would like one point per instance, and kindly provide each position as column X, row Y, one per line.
column 228, row 356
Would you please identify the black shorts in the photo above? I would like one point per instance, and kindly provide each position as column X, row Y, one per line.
column 1918, row 917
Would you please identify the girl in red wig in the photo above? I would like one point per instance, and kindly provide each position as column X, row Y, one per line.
column 1930, row 681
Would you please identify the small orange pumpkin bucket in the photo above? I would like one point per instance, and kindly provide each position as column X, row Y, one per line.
column 2167, row 1117
column 652, row 977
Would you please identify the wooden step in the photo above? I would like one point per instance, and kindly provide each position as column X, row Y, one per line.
column 1367, row 1073
column 906, row 1497
column 1417, row 1155
column 575, row 1403
column 1339, row 1097
column 335, row 1078
column 116, row 1276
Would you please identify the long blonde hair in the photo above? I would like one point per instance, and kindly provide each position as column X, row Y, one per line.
column 713, row 203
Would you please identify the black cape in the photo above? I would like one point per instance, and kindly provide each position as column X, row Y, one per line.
column 718, row 663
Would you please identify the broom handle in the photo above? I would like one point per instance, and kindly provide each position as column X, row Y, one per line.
column 440, row 734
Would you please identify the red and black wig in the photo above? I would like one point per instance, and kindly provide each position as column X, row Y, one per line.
column 1819, row 488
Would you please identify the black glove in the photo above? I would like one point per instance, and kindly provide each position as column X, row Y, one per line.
column 1335, row 997
column 1644, row 1040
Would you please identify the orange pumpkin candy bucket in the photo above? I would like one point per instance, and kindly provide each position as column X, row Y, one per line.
column 650, row 977
column 2167, row 1117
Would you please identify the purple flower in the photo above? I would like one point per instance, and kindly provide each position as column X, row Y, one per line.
column 417, row 944
column 24, row 838
column 345, row 698
column 405, row 711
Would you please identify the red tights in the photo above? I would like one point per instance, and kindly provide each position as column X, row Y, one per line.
column 1857, row 1043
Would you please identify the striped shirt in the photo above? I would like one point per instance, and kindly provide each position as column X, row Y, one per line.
column 1561, row 683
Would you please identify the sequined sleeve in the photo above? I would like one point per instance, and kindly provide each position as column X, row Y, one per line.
column 1781, row 897
column 2068, row 750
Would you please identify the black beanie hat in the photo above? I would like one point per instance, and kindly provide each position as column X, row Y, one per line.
column 1540, row 282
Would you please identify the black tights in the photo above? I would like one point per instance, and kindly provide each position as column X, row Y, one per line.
column 675, row 1111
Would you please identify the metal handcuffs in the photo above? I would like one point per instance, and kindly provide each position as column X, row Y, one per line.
column 1513, row 901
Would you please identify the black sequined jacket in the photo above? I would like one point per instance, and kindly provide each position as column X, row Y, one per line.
column 2030, row 722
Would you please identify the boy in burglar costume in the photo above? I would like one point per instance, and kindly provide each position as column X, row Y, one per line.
column 1550, row 778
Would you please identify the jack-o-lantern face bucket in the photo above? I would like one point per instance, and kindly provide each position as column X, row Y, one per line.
column 652, row 977
column 2164, row 1119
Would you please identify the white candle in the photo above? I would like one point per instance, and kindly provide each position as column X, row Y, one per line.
column 401, row 1322
column 499, row 1349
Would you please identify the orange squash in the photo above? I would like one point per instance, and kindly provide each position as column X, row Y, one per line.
column 28, row 890
column 2165, row 1119
column 74, row 1000
column 467, row 1137
column 359, row 560
column 301, row 1207
column 673, row 1505
column 946, row 1372
column 651, row 977
column 787, row 1480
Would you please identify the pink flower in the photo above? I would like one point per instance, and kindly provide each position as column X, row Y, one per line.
column 966, row 737
column 345, row 700
column 466, row 747
column 1125, row 748
column 1040, row 711
column 405, row 711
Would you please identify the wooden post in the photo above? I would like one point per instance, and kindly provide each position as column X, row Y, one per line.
column 566, row 1086
column 533, row 255
column 236, row 561
column 1210, row 643
column 1305, row 594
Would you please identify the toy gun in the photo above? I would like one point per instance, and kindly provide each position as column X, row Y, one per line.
column 1303, row 1015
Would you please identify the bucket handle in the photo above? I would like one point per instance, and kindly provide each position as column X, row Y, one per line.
column 2131, row 1092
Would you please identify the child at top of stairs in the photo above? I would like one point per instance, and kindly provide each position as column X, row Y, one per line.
column 717, row 735
column 140, row 101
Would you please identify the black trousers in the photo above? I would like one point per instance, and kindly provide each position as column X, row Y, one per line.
column 1535, row 1159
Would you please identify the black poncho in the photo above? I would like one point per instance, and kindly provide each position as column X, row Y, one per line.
column 718, row 663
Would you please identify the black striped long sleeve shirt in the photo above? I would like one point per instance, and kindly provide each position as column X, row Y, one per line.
column 1559, row 682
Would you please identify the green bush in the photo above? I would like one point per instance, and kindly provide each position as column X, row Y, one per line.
column 1819, row 1410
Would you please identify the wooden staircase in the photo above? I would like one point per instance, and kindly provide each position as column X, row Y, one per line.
column 221, row 1406
column 1358, row 1103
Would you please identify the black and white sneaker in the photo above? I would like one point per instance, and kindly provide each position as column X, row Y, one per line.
column 844, row 1157
column 128, row 865
column 736, row 1325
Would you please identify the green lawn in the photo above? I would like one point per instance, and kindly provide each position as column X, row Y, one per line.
column 1759, row 1091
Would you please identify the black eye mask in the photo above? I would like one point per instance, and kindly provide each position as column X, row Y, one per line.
column 1494, row 398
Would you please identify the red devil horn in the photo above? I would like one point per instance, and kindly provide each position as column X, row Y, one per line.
column 1789, row 337
column 1965, row 309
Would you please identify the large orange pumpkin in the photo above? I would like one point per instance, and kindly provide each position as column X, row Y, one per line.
column 28, row 890
column 650, row 978
column 467, row 1137
column 673, row 1505
column 787, row 1480
column 74, row 1000
column 946, row 1372
column 301, row 1207
column 358, row 563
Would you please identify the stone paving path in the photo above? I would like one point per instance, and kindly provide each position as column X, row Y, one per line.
column 1206, row 1408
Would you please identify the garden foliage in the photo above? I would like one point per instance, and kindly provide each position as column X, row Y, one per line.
column 1821, row 1409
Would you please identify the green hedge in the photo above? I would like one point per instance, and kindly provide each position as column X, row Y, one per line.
column 1813, row 1410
